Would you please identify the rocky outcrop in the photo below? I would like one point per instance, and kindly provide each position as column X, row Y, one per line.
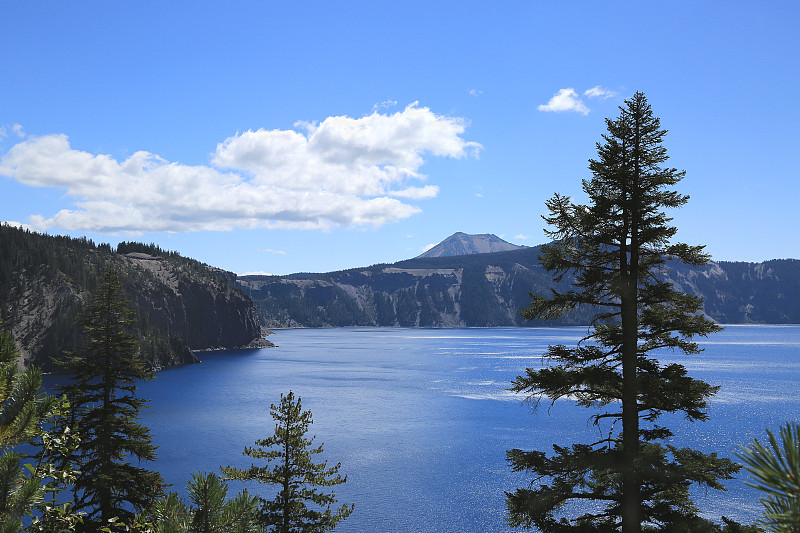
column 469, row 290
column 181, row 304
column 744, row 293
column 489, row 289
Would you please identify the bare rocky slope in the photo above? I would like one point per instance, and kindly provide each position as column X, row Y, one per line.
column 488, row 289
column 182, row 305
column 465, row 244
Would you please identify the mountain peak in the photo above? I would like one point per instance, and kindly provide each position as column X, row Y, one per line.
column 460, row 243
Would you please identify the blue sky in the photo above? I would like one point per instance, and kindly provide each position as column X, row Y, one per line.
column 313, row 136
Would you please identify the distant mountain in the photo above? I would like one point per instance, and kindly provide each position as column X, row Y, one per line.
column 489, row 289
column 465, row 244
column 181, row 304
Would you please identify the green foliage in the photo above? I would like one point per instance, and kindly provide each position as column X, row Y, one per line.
column 22, row 410
column 54, row 512
column 22, row 405
column 103, row 398
column 211, row 511
column 776, row 470
column 295, row 473
column 18, row 492
column 615, row 249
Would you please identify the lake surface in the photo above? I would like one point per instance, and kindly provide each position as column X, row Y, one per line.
column 421, row 419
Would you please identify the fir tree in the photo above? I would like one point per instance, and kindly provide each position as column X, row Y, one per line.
column 296, row 475
column 111, row 483
column 615, row 247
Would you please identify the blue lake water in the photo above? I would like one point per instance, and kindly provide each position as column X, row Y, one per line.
column 421, row 419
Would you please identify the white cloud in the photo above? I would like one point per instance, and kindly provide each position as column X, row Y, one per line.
column 475, row 92
column 339, row 172
column 385, row 105
column 15, row 224
column 428, row 247
column 599, row 92
column 255, row 273
column 565, row 100
column 522, row 237
column 16, row 129
column 271, row 251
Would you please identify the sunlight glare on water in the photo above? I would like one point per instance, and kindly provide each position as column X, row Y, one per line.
column 421, row 419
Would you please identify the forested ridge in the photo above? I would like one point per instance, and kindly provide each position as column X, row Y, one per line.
column 484, row 290
column 181, row 304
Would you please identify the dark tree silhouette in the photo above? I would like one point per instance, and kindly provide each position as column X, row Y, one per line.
column 111, row 482
column 295, row 473
column 615, row 247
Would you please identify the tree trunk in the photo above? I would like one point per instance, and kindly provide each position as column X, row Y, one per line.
column 631, row 484
column 631, row 504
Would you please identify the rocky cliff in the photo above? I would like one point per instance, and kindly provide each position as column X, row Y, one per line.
column 182, row 305
column 468, row 290
column 489, row 289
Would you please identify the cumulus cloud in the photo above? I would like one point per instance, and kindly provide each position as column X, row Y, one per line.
column 599, row 92
column 20, row 225
column 568, row 100
column 340, row 172
column 565, row 100
column 475, row 92
column 522, row 237
column 428, row 247
column 255, row 273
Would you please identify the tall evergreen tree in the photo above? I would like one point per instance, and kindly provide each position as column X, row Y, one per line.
column 111, row 483
column 615, row 246
column 296, row 475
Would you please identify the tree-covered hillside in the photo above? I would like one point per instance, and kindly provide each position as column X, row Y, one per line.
column 181, row 304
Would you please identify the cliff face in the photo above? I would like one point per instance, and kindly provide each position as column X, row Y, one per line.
column 182, row 305
column 742, row 293
column 190, row 302
column 469, row 290
column 489, row 289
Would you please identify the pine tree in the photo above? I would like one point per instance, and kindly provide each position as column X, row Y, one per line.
column 212, row 512
column 776, row 471
column 616, row 248
column 103, row 398
column 23, row 409
column 22, row 404
column 296, row 475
